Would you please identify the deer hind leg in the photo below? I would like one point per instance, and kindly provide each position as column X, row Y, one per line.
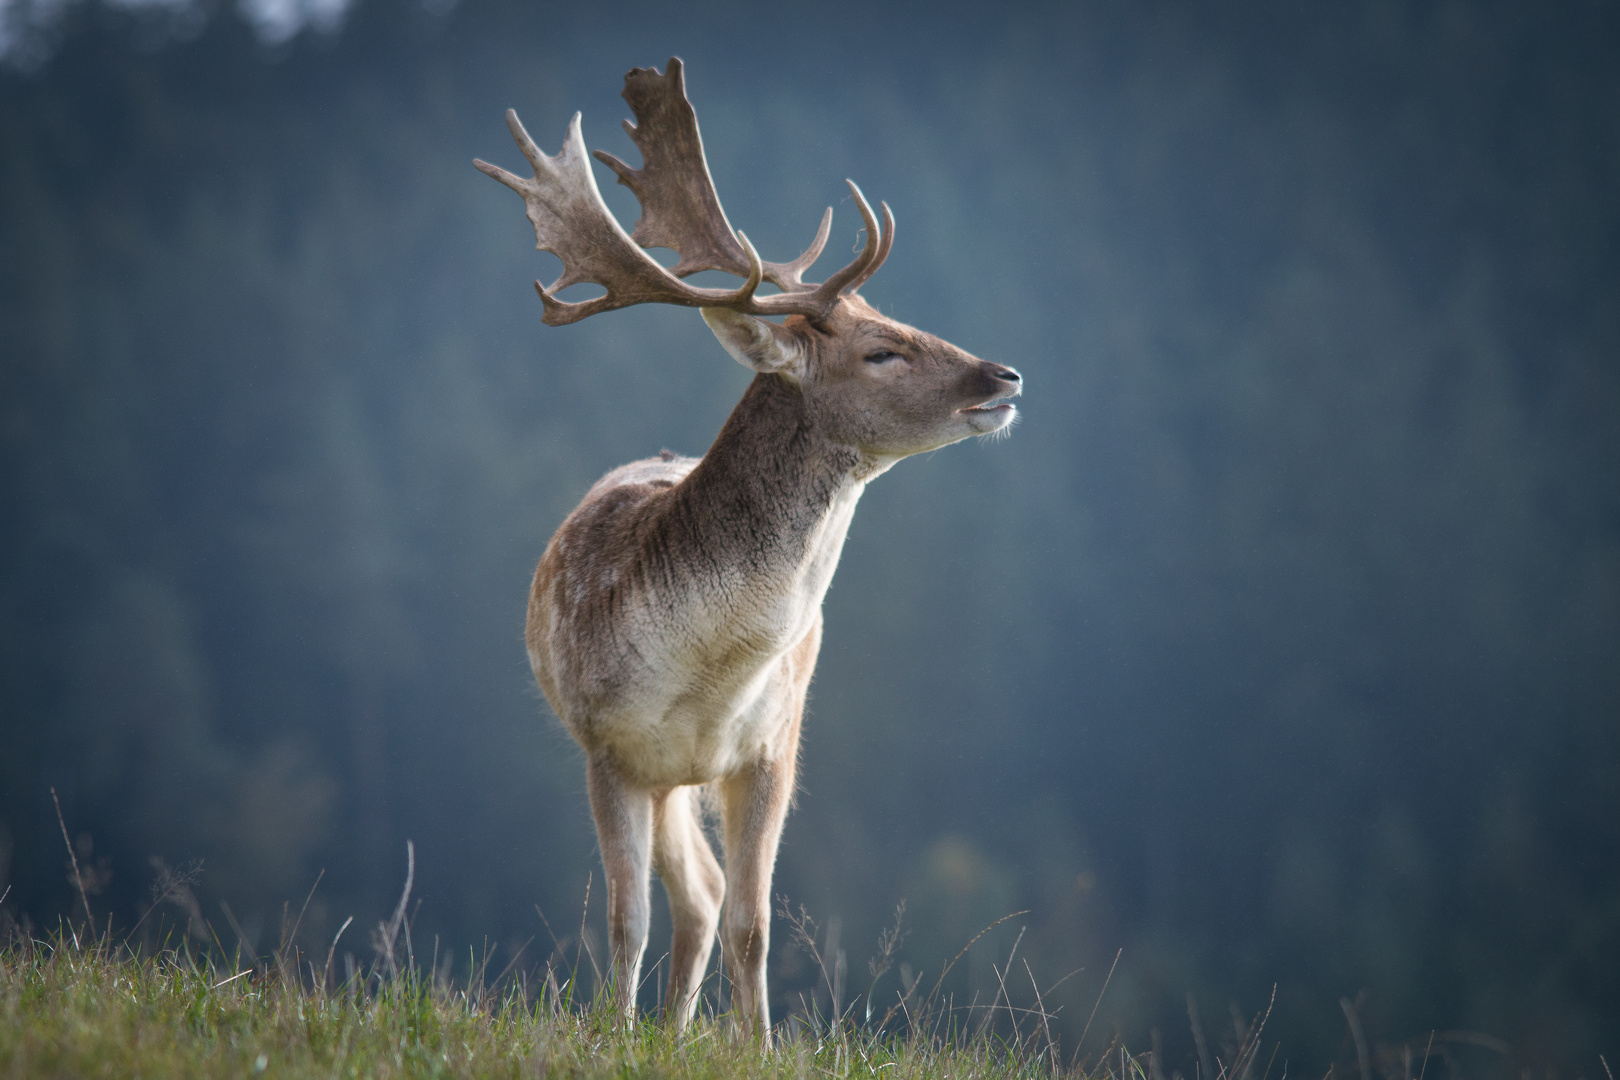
column 695, row 886
column 623, row 816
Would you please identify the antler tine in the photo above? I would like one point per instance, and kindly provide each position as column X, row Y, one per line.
column 789, row 278
column 828, row 292
column 818, row 301
column 537, row 159
column 882, row 253
column 744, row 297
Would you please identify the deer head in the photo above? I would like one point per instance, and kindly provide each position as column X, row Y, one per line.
column 877, row 385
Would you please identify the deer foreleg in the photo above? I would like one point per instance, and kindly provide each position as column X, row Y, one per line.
column 624, row 830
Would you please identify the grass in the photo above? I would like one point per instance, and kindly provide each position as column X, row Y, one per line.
column 83, row 1003
column 72, row 1007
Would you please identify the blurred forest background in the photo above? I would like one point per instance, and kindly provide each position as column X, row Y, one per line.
column 1280, row 643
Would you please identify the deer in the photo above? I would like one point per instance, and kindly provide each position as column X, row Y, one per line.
column 675, row 617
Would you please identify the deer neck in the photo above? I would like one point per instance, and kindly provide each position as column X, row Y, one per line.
column 771, row 501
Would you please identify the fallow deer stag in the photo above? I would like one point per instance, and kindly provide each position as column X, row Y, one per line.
column 676, row 614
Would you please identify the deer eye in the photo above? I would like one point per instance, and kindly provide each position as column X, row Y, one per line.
column 882, row 356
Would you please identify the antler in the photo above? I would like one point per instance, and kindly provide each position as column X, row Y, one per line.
column 679, row 207
column 572, row 222
column 680, row 210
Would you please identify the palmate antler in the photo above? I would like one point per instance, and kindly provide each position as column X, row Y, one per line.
column 679, row 210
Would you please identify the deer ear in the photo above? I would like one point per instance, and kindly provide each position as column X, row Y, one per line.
column 755, row 343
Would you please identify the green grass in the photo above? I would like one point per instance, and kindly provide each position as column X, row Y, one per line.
column 93, row 1009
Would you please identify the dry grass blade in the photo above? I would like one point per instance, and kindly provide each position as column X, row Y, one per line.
column 231, row 978
column 1098, row 1004
column 1046, row 1026
column 242, row 942
column 1249, row 1038
column 584, row 913
column 556, row 946
column 512, row 963
column 289, row 935
column 78, row 878
column 174, row 885
column 1205, row 1069
column 293, row 933
column 1001, row 990
column 804, row 933
column 888, row 944
column 332, row 950
column 388, row 932
column 1424, row 1068
column 1356, row 1033
column 947, row 969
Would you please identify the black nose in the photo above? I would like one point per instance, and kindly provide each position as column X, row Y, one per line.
column 1007, row 373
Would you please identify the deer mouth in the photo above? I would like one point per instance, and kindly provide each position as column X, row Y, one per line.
column 1001, row 403
column 997, row 414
